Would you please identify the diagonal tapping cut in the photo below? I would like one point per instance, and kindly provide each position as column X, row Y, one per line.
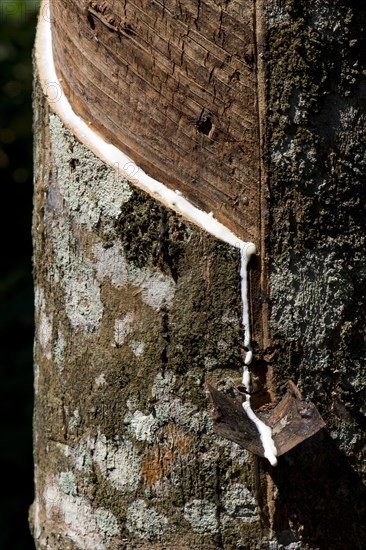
column 265, row 444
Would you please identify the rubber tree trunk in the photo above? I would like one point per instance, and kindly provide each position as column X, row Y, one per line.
column 136, row 309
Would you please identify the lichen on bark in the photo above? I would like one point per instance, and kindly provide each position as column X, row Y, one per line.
column 136, row 310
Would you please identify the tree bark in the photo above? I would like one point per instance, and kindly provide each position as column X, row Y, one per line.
column 315, row 156
column 137, row 309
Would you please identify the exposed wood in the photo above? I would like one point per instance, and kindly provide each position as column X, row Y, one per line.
column 304, row 108
column 293, row 420
column 173, row 84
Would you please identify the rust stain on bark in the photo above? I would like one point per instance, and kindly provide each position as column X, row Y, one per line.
column 158, row 459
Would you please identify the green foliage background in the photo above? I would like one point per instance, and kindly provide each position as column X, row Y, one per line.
column 17, row 29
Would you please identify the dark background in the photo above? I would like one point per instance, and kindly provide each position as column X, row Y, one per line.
column 17, row 30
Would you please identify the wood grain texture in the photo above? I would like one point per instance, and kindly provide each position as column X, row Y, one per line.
column 173, row 85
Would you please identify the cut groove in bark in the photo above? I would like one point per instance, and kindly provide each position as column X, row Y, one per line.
column 179, row 96
column 113, row 156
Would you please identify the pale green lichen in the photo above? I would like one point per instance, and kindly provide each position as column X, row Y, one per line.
column 142, row 427
column 238, row 503
column 100, row 380
column 144, row 522
column 163, row 385
column 45, row 333
column 210, row 362
column 118, row 461
column 74, row 421
column 136, row 347
column 287, row 540
column 182, row 414
column 233, row 454
column 59, row 350
column 87, row 527
column 80, row 455
column 122, row 327
column 111, row 264
column 67, row 483
column 202, row 516
column 83, row 304
column 90, row 189
column 324, row 302
column 77, row 276
column 106, row 522
column 45, row 322
column 157, row 289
